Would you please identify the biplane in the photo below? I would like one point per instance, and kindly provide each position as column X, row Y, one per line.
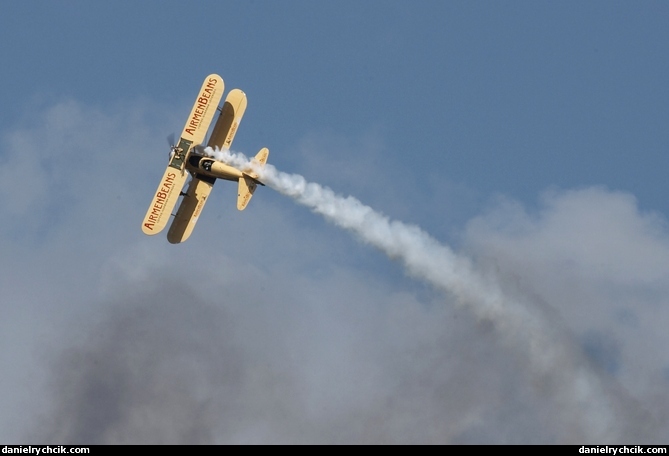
column 189, row 160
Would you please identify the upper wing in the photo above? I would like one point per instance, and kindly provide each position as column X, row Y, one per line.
column 164, row 200
column 175, row 175
column 201, row 185
column 204, row 109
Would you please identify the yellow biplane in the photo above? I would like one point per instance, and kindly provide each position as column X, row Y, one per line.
column 187, row 158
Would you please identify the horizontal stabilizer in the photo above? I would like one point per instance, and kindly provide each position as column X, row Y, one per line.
column 249, row 181
column 246, row 188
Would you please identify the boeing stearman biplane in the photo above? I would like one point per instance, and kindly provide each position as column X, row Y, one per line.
column 187, row 158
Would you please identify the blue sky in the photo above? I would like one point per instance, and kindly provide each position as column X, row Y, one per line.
column 531, row 136
column 503, row 98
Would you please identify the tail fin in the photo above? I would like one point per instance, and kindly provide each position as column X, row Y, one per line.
column 261, row 157
column 249, row 181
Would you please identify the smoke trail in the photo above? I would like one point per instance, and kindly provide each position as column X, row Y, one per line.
column 581, row 393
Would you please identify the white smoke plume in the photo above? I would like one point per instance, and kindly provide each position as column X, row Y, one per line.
column 586, row 399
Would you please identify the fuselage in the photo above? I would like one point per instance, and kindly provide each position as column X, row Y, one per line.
column 210, row 167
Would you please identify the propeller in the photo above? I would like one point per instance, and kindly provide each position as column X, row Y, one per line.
column 170, row 140
column 173, row 147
